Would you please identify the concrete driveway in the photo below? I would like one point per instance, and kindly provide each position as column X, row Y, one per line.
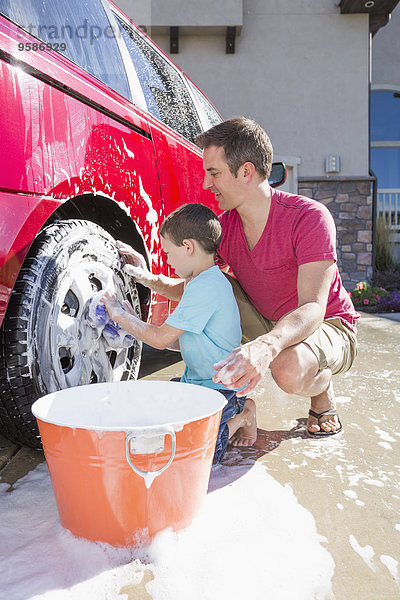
column 349, row 483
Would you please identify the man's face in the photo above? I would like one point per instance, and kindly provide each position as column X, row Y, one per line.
column 220, row 180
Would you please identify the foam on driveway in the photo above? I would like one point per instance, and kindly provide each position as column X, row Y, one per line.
column 252, row 539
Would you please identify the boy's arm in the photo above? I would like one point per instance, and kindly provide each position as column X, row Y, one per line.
column 169, row 287
column 136, row 267
column 157, row 337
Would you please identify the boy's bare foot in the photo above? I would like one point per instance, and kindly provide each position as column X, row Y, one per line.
column 243, row 426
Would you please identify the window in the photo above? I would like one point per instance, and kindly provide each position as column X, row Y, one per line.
column 385, row 138
column 385, row 163
column 385, row 154
column 166, row 96
column 79, row 26
column 210, row 117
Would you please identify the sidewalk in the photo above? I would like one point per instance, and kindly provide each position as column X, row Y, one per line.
column 349, row 483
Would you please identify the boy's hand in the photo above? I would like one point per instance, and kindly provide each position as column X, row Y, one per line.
column 135, row 265
column 128, row 307
column 113, row 305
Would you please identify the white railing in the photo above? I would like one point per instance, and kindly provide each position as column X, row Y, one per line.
column 389, row 208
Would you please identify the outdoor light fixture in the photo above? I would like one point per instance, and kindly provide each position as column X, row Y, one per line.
column 332, row 163
column 174, row 40
column 369, row 4
column 230, row 40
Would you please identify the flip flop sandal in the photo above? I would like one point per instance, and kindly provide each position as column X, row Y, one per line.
column 323, row 434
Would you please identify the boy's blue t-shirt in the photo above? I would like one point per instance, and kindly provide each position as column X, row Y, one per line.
column 209, row 316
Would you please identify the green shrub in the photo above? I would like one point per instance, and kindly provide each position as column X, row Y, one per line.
column 383, row 257
column 365, row 296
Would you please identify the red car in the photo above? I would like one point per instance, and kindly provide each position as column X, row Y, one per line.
column 96, row 128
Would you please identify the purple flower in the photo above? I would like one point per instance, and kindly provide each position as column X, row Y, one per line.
column 366, row 301
column 390, row 303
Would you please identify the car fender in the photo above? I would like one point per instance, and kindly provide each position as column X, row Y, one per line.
column 23, row 217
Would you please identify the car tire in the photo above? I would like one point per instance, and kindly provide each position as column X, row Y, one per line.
column 46, row 344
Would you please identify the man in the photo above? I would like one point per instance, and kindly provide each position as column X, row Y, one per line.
column 297, row 318
column 281, row 249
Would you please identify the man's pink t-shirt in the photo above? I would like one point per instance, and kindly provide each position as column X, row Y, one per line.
column 298, row 231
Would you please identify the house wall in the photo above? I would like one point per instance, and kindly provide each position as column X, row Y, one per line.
column 300, row 69
column 350, row 202
column 386, row 54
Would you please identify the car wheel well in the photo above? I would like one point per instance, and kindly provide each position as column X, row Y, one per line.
column 107, row 214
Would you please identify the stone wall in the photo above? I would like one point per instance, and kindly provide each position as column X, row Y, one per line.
column 350, row 202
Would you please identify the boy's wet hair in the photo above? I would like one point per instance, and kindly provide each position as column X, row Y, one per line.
column 195, row 222
column 243, row 140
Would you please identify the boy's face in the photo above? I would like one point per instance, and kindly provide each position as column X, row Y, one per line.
column 178, row 257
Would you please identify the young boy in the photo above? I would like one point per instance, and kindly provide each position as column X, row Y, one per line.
column 206, row 320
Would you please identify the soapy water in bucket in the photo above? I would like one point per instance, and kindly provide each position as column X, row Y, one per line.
column 124, row 405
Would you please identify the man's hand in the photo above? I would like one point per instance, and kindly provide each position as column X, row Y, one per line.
column 245, row 365
column 135, row 265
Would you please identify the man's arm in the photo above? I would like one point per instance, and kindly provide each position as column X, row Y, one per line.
column 157, row 337
column 250, row 362
column 313, row 284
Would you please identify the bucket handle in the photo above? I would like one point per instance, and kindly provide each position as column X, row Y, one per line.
column 148, row 442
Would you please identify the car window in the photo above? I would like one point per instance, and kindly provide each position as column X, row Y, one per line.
column 79, row 29
column 210, row 117
column 166, row 95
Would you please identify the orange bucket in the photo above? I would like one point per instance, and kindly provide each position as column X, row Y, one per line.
column 130, row 458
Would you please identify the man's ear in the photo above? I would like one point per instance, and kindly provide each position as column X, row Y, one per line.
column 247, row 171
column 189, row 245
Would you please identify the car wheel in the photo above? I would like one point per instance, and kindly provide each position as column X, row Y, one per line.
column 46, row 344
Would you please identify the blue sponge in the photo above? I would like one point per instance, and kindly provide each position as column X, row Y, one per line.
column 116, row 336
column 97, row 316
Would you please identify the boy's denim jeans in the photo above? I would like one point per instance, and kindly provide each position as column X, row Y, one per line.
column 233, row 407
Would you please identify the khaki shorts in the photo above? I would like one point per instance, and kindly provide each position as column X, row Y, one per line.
column 334, row 344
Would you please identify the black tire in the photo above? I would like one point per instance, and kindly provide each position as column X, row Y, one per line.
column 45, row 341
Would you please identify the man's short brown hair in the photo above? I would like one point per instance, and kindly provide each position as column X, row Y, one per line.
column 195, row 222
column 243, row 140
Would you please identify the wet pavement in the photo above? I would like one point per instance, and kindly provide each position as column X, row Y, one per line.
column 349, row 483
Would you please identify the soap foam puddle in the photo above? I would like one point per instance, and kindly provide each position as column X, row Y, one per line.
column 249, row 535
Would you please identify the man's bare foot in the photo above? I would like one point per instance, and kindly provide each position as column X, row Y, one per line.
column 323, row 403
column 243, row 426
column 327, row 423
